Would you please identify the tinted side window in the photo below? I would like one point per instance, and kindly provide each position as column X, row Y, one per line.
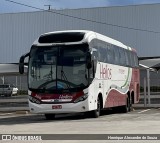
column 122, row 57
column 128, row 61
column 93, row 45
column 132, row 60
column 102, row 51
column 135, row 60
column 110, row 53
column 102, row 54
column 116, row 54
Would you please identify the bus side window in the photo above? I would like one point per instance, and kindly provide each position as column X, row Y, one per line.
column 122, row 57
column 127, row 57
column 94, row 47
column 136, row 60
column 101, row 54
column 95, row 54
column 116, row 53
column 110, row 53
column 132, row 59
column 106, row 54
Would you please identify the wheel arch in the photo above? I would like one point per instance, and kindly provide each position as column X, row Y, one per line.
column 130, row 95
column 100, row 96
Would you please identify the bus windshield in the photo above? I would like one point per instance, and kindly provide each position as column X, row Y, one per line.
column 58, row 68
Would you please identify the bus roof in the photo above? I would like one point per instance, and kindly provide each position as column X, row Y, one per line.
column 87, row 37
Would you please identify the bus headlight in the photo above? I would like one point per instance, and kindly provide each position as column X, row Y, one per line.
column 81, row 98
column 34, row 100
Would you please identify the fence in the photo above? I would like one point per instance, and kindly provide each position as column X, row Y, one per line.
column 15, row 102
column 149, row 89
column 19, row 81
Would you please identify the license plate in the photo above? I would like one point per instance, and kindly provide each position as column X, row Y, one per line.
column 57, row 107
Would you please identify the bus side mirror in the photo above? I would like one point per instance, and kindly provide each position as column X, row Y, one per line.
column 21, row 63
column 88, row 61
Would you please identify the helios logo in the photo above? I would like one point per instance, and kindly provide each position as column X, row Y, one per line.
column 105, row 72
column 65, row 97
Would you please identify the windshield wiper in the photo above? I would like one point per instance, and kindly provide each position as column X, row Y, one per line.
column 49, row 76
column 51, row 72
column 65, row 78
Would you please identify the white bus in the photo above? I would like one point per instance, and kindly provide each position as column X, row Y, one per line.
column 80, row 71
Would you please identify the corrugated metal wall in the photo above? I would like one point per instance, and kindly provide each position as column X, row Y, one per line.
column 19, row 30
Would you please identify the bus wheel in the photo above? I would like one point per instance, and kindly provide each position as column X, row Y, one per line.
column 11, row 94
column 50, row 116
column 126, row 108
column 96, row 113
column 130, row 105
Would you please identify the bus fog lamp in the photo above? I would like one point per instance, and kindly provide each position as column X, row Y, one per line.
column 83, row 107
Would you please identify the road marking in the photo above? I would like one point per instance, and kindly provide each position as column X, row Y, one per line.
column 4, row 114
column 144, row 111
column 156, row 113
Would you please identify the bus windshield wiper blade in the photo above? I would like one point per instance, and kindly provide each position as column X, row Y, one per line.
column 65, row 78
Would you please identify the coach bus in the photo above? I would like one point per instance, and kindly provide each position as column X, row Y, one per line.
column 80, row 71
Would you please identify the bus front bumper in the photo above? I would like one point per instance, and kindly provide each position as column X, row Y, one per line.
column 82, row 106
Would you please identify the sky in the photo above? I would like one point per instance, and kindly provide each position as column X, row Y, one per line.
column 12, row 6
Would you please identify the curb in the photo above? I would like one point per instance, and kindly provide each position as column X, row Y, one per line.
column 22, row 112
column 143, row 107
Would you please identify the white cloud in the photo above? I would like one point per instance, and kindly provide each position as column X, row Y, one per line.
column 78, row 3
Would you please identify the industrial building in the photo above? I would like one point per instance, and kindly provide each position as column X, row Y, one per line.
column 137, row 26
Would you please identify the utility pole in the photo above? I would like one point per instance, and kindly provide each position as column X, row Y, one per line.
column 148, row 85
column 49, row 6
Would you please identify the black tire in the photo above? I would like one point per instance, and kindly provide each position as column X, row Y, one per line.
column 96, row 113
column 130, row 105
column 125, row 108
column 10, row 95
column 49, row 116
